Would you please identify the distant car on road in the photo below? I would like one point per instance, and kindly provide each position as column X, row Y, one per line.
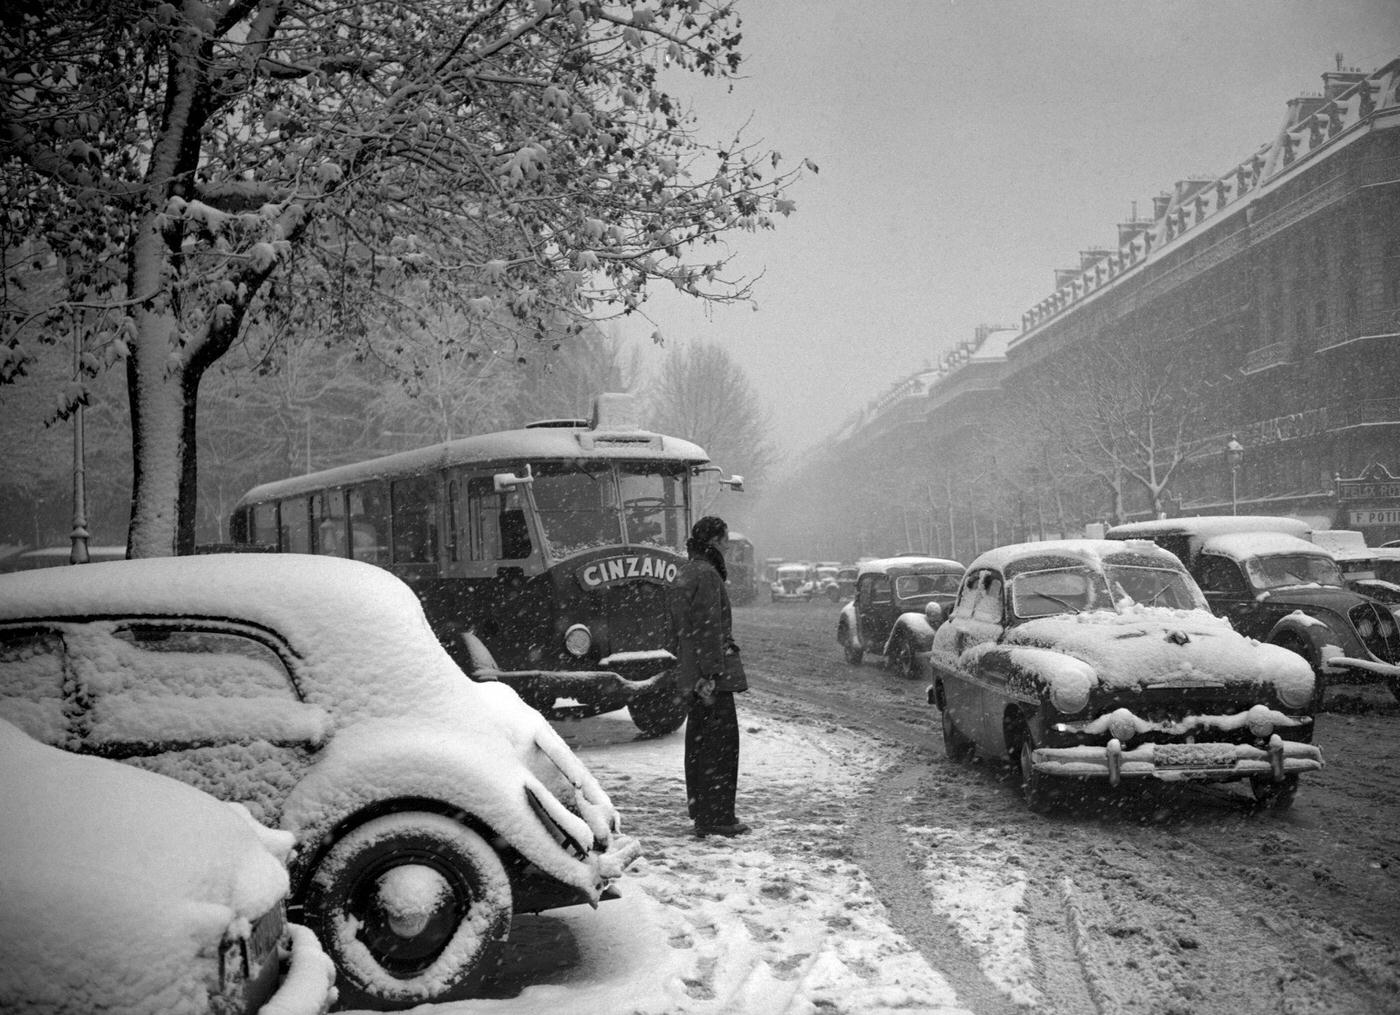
column 1281, row 588
column 428, row 807
column 126, row 891
column 793, row 583
column 887, row 617
column 1092, row 659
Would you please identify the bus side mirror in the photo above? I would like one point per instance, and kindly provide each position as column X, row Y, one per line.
column 504, row 481
column 735, row 483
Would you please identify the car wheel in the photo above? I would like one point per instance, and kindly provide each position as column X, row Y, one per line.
column 1296, row 645
column 657, row 713
column 413, row 908
column 1277, row 795
column 902, row 658
column 1035, row 787
column 957, row 746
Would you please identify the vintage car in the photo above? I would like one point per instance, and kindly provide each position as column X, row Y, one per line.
column 846, row 582
column 126, row 891
column 828, row 579
column 427, row 807
column 793, row 583
column 887, row 616
column 1093, row 659
column 1371, row 570
column 1286, row 590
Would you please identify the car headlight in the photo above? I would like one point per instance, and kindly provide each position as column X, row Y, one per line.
column 1069, row 696
column 578, row 640
column 1122, row 725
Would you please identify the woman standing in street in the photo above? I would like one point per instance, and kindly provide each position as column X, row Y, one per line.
column 707, row 677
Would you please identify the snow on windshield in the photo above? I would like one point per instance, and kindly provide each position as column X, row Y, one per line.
column 590, row 505
column 1290, row 569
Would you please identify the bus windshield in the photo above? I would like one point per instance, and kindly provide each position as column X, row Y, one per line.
column 587, row 506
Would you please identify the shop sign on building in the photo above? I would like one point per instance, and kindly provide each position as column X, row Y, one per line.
column 1370, row 499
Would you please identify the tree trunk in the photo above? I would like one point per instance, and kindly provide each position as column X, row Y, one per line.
column 159, row 445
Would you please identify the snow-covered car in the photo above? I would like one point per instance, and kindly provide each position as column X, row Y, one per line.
column 122, row 891
column 427, row 807
column 1371, row 570
column 793, row 583
column 888, row 614
column 1282, row 588
column 1094, row 659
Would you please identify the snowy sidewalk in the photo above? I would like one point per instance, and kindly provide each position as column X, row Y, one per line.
column 777, row 922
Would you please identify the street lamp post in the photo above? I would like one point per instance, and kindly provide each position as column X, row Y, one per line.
column 79, row 536
column 1234, row 454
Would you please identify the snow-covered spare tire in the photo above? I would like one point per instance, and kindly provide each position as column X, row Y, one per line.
column 413, row 908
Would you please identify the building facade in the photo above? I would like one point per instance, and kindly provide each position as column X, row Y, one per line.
column 1270, row 293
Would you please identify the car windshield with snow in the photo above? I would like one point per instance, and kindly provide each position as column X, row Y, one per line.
column 793, row 583
column 1093, row 659
column 1275, row 586
column 427, row 807
column 126, row 891
column 887, row 615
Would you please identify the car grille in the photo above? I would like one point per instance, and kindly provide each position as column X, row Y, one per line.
column 638, row 618
column 1376, row 628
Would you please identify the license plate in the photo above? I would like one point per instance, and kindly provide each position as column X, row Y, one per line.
column 1193, row 755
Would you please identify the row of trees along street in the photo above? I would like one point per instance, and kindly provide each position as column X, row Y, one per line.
column 274, row 211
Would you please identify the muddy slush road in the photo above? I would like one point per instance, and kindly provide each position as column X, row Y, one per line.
column 1162, row 898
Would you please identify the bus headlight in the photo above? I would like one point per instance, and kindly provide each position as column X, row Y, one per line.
column 578, row 640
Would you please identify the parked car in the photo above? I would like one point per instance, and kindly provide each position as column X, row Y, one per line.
column 428, row 807
column 1091, row 659
column 828, row 581
column 1283, row 589
column 122, row 891
column 794, row 583
column 1371, row 570
column 887, row 616
column 846, row 582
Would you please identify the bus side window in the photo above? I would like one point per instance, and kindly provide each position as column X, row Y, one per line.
column 497, row 525
column 265, row 528
column 296, row 525
column 329, row 511
column 368, row 524
column 414, row 506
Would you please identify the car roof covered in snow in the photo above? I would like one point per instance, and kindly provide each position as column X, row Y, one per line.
column 910, row 564
column 1018, row 557
column 1247, row 545
column 1204, row 526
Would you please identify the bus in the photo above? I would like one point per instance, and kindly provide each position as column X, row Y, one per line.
column 542, row 555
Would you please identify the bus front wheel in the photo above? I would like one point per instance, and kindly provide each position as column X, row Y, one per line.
column 657, row 713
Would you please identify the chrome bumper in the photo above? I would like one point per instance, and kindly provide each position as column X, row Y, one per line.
column 575, row 683
column 1178, row 762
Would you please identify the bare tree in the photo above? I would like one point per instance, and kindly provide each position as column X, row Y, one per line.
column 701, row 394
column 195, row 163
column 1116, row 410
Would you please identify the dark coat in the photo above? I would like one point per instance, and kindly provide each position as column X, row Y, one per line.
column 701, row 618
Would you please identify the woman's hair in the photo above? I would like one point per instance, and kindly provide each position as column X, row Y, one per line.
column 703, row 531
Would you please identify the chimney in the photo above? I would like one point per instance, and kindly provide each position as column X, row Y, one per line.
column 1092, row 256
column 1160, row 203
column 1302, row 107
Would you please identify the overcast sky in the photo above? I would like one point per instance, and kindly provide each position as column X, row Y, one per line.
column 967, row 149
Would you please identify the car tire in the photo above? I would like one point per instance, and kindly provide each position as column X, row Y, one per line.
column 1035, row 787
column 442, row 956
column 902, row 658
column 657, row 713
column 1275, row 795
column 956, row 746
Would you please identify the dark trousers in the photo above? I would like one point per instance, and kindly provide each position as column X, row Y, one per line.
column 712, row 759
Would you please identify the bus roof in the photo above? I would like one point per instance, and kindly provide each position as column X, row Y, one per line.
column 504, row 447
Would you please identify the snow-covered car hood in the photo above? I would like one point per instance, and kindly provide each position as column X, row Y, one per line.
column 1151, row 646
column 114, row 880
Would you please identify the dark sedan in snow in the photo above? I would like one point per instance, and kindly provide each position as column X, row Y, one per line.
column 1092, row 659
column 887, row 615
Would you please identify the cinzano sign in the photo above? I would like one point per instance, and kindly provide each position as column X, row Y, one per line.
column 625, row 567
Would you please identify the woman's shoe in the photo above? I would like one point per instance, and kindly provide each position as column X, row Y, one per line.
column 737, row 828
